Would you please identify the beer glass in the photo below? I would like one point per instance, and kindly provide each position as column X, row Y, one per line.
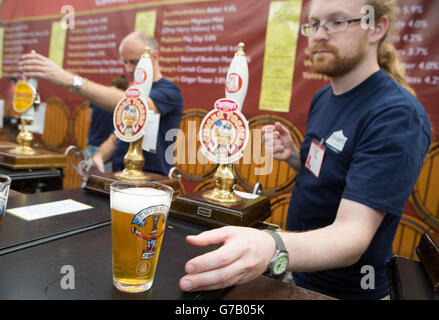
column 139, row 211
column 5, row 184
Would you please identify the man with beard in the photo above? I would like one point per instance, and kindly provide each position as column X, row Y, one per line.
column 364, row 146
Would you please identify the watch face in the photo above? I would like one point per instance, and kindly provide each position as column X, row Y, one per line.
column 77, row 82
column 280, row 265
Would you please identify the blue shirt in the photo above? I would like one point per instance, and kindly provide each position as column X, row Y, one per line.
column 101, row 126
column 376, row 137
column 169, row 100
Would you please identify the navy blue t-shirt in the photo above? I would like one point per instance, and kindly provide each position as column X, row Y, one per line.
column 101, row 126
column 376, row 137
column 169, row 100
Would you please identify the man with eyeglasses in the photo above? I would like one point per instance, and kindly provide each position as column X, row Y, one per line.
column 165, row 98
column 364, row 146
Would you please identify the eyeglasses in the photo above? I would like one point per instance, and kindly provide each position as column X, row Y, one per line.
column 331, row 26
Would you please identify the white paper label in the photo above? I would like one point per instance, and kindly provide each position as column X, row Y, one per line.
column 151, row 130
column 39, row 118
column 49, row 209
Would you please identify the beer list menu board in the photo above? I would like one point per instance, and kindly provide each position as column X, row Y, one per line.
column 417, row 45
column 198, row 40
column 88, row 46
column 191, row 52
column 414, row 41
column 198, row 43
column 17, row 37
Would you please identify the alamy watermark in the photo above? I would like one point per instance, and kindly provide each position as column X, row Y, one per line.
column 67, row 282
column 180, row 153
column 368, row 21
column 368, row 280
column 68, row 20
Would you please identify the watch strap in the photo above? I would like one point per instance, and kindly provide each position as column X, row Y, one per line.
column 280, row 250
column 277, row 238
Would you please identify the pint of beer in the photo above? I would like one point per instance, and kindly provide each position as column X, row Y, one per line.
column 5, row 184
column 139, row 211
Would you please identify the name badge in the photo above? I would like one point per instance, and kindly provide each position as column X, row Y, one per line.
column 314, row 160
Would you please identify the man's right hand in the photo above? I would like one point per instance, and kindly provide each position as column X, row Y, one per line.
column 34, row 65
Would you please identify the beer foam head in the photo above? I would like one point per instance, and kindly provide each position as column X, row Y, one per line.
column 132, row 200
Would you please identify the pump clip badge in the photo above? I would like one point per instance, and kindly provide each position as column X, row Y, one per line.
column 149, row 225
column 224, row 132
column 130, row 116
column 24, row 97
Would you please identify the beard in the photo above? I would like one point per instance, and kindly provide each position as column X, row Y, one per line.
column 336, row 65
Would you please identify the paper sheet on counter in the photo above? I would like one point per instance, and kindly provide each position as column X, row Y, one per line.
column 50, row 209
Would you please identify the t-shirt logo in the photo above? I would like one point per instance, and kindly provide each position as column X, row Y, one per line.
column 337, row 141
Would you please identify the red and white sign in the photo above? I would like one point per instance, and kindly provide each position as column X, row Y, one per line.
column 233, row 83
column 226, row 105
column 224, row 133
column 129, row 118
column 132, row 93
column 139, row 76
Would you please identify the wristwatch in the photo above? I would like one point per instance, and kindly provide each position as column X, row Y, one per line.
column 77, row 84
column 279, row 263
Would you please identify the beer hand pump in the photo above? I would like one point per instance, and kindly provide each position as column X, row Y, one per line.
column 130, row 118
column 224, row 134
column 237, row 77
column 26, row 101
column 227, row 138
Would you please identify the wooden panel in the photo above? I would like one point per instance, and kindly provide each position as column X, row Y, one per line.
column 57, row 125
column 71, row 178
column 189, row 159
column 81, row 125
column 279, row 210
column 407, row 236
column 276, row 177
column 425, row 195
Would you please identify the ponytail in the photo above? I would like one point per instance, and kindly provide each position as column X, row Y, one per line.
column 390, row 61
column 388, row 58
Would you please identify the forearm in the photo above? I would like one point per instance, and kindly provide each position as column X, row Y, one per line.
column 38, row 66
column 321, row 249
column 337, row 245
column 103, row 96
column 107, row 97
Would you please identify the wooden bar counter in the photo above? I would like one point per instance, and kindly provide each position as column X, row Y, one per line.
column 33, row 253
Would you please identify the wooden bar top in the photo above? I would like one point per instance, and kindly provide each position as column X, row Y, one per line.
column 266, row 288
